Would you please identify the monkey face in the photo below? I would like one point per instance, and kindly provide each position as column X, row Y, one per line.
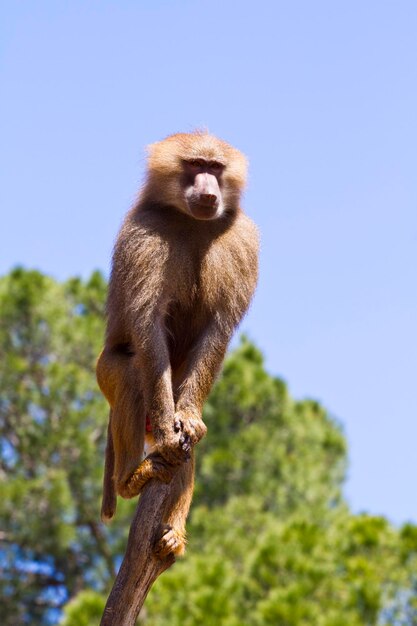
column 202, row 188
column 196, row 173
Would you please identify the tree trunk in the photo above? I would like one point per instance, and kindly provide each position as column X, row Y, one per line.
column 140, row 568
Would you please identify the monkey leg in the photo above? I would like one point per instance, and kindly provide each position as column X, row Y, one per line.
column 117, row 375
column 173, row 536
column 125, row 472
column 153, row 466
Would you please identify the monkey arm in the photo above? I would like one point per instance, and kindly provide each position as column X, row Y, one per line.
column 153, row 360
column 155, row 371
column 203, row 364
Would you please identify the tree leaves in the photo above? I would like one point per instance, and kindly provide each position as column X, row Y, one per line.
column 271, row 539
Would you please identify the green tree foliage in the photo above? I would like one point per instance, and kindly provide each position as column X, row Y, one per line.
column 52, row 425
column 271, row 540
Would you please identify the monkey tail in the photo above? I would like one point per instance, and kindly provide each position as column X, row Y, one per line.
column 109, row 501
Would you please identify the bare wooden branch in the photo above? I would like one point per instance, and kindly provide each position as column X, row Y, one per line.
column 140, row 568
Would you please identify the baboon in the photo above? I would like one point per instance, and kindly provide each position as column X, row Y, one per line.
column 184, row 270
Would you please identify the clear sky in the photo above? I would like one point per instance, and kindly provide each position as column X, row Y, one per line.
column 322, row 97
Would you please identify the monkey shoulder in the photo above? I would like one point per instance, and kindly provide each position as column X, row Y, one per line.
column 138, row 246
column 230, row 269
column 139, row 259
column 248, row 233
column 241, row 248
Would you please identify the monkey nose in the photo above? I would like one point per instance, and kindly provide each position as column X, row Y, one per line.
column 208, row 198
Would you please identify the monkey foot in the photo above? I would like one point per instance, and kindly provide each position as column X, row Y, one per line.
column 154, row 466
column 172, row 542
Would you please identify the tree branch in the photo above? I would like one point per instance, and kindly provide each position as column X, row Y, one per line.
column 140, row 568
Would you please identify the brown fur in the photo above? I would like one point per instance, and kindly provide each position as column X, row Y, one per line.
column 178, row 288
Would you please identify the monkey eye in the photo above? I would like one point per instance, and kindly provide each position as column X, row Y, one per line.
column 216, row 166
column 196, row 163
column 201, row 164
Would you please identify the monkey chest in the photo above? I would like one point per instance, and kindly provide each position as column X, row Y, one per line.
column 195, row 296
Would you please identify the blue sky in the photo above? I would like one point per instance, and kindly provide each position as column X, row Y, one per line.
column 322, row 97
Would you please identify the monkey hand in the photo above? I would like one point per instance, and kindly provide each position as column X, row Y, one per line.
column 172, row 445
column 192, row 427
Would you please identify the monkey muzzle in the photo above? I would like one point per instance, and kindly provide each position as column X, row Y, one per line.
column 204, row 199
